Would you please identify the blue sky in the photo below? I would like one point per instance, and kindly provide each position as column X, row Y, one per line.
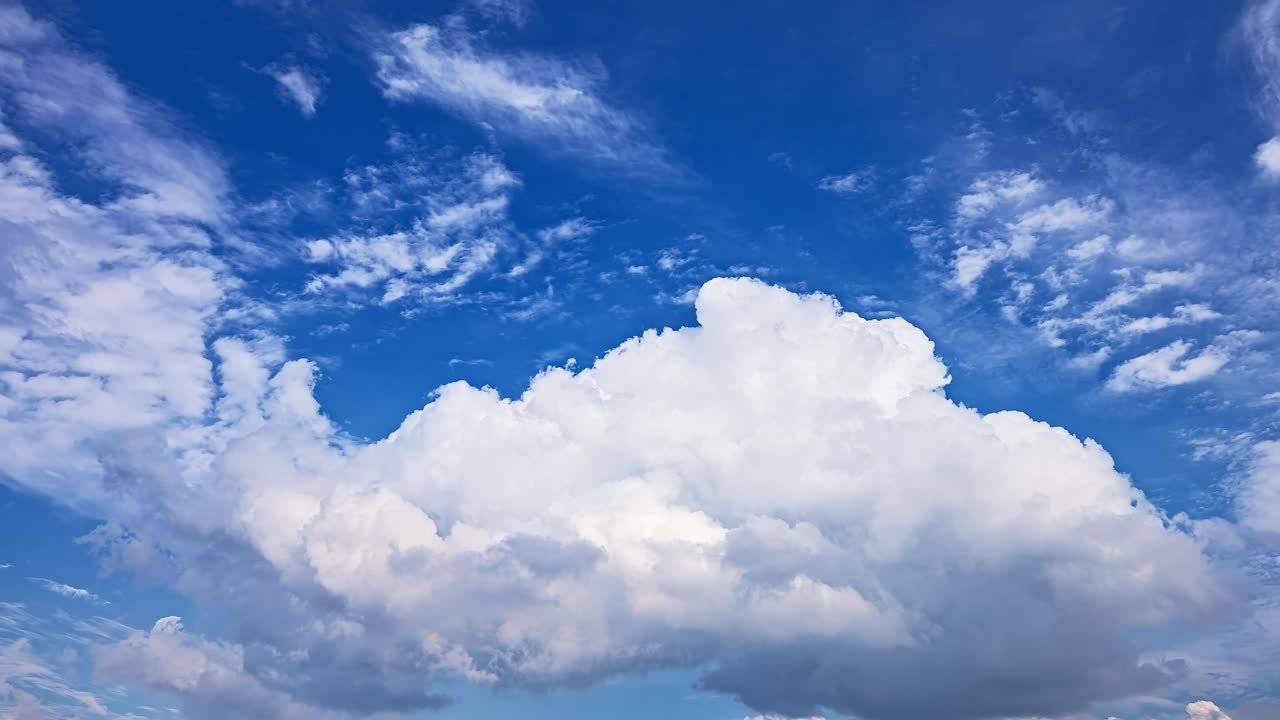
column 500, row 358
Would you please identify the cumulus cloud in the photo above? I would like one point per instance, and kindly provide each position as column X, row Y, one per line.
column 1205, row 710
column 782, row 493
column 585, row 538
column 542, row 99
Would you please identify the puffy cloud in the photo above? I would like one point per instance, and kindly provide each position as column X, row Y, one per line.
column 1205, row 710
column 1267, row 158
column 542, row 99
column 783, row 491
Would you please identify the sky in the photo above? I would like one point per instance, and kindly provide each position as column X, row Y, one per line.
column 709, row 361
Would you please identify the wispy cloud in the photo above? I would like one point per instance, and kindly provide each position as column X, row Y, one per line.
column 1106, row 261
column 67, row 591
column 1169, row 365
column 1259, row 31
column 460, row 232
column 854, row 182
column 548, row 101
column 298, row 85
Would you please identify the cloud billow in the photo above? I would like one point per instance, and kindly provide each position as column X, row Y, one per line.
column 782, row 493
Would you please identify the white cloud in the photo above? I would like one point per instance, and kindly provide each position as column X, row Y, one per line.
column 541, row 99
column 1185, row 314
column 104, row 306
column 122, row 139
column 851, row 183
column 1018, row 237
column 1267, row 158
column 299, row 86
column 464, row 228
column 1258, row 499
column 1168, row 366
column 1205, row 710
column 1093, row 264
column 1257, row 29
column 993, row 189
column 656, row 542
column 572, row 229
column 783, row 493
column 1090, row 249
column 65, row 590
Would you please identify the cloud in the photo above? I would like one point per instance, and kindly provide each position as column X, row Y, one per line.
column 1096, row 263
column 65, row 590
column 782, row 493
column 1168, row 366
column 851, row 183
column 543, row 100
column 299, row 86
column 992, row 189
column 1258, row 30
column 42, row 663
column 104, row 305
column 464, row 228
column 210, row 676
column 31, row 688
column 516, row 12
column 1182, row 315
column 1258, row 499
column 1205, row 710
column 1267, row 158
column 120, row 137
column 650, row 544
